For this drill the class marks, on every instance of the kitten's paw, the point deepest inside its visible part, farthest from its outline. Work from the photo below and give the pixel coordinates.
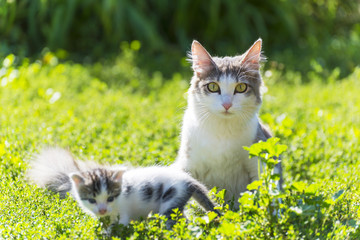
(124, 220)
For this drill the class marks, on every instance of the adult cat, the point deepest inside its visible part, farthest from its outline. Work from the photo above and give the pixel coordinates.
(221, 118)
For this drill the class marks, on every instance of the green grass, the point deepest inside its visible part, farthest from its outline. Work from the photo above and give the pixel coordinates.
(137, 119)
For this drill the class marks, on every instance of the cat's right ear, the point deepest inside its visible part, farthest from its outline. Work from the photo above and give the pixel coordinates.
(77, 179)
(252, 57)
(202, 62)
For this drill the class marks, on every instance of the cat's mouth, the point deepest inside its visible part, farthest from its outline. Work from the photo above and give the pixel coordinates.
(227, 113)
(101, 215)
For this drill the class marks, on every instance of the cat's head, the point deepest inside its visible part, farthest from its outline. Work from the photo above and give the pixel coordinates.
(228, 86)
(97, 190)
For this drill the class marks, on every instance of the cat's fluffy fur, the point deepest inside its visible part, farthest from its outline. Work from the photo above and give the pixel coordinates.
(216, 125)
(159, 190)
(116, 191)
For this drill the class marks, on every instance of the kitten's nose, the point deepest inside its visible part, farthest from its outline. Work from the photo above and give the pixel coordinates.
(227, 105)
(102, 211)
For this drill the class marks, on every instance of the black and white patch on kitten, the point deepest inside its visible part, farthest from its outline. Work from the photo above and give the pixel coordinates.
(114, 191)
(158, 190)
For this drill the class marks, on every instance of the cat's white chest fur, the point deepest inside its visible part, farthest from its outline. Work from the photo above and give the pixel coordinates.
(213, 152)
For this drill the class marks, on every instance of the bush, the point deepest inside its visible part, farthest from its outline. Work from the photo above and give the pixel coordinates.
(294, 32)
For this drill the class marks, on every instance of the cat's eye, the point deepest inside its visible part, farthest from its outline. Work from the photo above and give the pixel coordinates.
(110, 199)
(241, 87)
(91, 200)
(213, 87)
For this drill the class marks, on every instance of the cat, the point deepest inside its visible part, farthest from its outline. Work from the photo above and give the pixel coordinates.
(130, 194)
(221, 118)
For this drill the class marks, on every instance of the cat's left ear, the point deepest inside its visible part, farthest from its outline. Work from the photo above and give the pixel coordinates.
(253, 55)
(118, 174)
(77, 179)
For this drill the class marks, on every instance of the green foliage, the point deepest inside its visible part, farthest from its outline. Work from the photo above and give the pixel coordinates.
(121, 115)
(295, 32)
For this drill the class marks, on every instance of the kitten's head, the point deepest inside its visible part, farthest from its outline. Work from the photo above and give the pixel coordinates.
(228, 86)
(97, 190)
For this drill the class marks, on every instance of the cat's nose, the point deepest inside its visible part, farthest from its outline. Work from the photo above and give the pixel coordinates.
(102, 211)
(227, 106)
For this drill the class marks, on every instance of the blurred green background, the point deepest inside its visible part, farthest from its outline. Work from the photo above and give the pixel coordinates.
(300, 36)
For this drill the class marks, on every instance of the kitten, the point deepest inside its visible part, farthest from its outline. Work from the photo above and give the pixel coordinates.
(95, 187)
(222, 116)
(114, 191)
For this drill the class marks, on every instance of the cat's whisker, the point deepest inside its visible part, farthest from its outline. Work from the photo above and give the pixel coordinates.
(250, 71)
(251, 77)
(203, 118)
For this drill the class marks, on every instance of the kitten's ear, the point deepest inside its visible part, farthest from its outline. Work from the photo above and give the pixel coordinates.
(253, 55)
(118, 173)
(201, 60)
(77, 179)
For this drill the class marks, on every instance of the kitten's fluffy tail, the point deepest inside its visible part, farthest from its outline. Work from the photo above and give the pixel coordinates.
(200, 195)
(50, 169)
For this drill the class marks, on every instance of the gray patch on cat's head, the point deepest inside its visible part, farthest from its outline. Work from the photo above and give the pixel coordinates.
(236, 67)
(228, 67)
(96, 181)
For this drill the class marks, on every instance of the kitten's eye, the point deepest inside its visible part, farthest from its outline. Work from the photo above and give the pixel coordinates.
(241, 87)
(213, 87)
(91, 200)
(110, 199)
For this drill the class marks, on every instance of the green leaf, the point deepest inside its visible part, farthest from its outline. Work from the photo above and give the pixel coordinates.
(298, 186)
(254, 185)
(270, 146)
(211, 216)
(339, 194)
(275, 177)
